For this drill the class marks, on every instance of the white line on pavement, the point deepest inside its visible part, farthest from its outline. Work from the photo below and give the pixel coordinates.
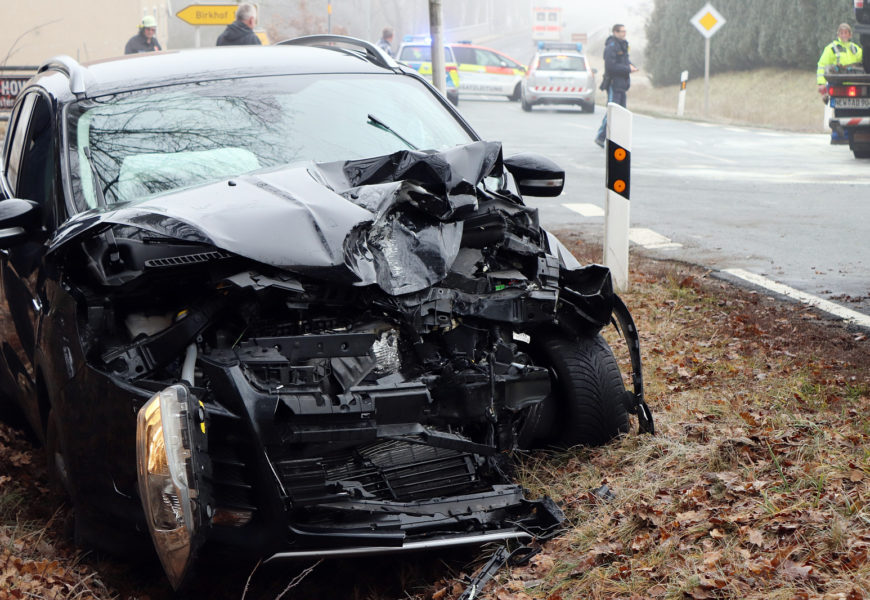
(820, 303)
(650, 239)
(587, 210)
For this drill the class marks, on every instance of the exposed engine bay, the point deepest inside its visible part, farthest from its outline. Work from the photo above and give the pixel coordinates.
(363, 344)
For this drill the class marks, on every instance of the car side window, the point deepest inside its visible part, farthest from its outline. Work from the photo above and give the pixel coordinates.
(488, 59)
(37, 164)
(17, 134)
(464, 55)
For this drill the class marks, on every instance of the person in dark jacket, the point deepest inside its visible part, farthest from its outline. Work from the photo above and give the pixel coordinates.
(144, 41)
(617, 73)
(241, 31)
(386, 41)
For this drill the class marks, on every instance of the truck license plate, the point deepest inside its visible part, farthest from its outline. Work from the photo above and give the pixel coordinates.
(852, 102)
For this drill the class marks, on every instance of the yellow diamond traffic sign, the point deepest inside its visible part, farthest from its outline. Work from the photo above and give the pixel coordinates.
(708, 20)
(208, 14)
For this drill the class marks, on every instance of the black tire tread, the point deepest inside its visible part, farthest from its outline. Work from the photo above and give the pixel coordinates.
(590, 391)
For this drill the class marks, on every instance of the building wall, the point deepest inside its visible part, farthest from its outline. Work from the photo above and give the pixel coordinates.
(35, 30)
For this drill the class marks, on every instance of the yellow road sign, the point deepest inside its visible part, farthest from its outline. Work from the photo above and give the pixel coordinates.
(708, 21)
(208, 14)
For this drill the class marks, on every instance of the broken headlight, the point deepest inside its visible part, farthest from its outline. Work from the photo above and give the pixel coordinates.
(165, 456)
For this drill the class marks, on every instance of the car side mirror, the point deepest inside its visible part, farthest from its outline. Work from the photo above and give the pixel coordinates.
(18, 219)
(536, 175)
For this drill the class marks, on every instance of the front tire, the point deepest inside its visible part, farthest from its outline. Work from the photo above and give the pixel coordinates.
(516, 93)
(861, 150)
(525, 104)
(588, 107)
(588, 392)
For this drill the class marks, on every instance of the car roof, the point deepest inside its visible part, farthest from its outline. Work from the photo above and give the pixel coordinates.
(559, 53)
(464, 45)
(154, 69)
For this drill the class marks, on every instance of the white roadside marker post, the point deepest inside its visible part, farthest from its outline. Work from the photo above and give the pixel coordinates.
(681, 102)
(616, 204)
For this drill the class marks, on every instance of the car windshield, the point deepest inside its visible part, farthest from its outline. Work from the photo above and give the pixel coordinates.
(562, 63)
(148, 142)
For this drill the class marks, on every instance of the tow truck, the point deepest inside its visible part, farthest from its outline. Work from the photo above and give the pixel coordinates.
(849, 90)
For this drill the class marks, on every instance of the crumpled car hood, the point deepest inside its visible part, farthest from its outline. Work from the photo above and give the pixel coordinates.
(394, 221)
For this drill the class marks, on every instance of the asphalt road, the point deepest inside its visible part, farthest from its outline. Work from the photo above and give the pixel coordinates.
(782, 205)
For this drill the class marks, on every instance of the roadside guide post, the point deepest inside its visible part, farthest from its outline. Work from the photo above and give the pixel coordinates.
(438, 73)
(681, 102)
(207, 14)
(708, 21)
(616, 204)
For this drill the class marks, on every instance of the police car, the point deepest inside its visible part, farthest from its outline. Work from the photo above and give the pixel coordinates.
(481, 71)
(416, 52)
(559, 74)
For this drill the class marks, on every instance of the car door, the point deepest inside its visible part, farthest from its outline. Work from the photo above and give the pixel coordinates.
(472, 76)
(29, 172)
(502, 74)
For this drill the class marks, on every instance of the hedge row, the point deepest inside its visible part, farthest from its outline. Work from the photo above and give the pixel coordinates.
(757, 33)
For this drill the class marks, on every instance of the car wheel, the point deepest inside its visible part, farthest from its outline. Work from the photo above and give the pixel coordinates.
(588, 392)
(861, 150)
(527, 106)
(588, 107)
(517, 93)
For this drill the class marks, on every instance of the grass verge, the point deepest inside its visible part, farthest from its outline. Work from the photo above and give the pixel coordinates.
(777, 99)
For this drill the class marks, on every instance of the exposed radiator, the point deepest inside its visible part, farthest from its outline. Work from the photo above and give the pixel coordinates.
(387, 470)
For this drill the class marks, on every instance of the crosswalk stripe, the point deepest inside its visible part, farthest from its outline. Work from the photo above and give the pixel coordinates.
(587, 210)
(650, 239)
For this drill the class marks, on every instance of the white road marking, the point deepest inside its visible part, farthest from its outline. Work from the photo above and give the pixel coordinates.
(650, 239)
(711, 157)
(587, 210)
(820, 303)
(828, 178)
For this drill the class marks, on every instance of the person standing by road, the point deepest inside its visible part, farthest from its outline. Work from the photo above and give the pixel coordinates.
(144, 41)
(842, 52)
(617, 73)
(241, 31)
(386, 41)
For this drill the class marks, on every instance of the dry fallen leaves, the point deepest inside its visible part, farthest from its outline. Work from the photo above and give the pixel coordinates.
(756, 484)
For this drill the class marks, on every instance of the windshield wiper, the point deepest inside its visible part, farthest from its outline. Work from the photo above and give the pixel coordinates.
(376, 122)
(99, 189)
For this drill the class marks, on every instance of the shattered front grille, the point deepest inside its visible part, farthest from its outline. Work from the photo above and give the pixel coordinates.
(388, 470)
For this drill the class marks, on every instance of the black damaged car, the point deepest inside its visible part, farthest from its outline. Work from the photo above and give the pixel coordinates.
(284, 301)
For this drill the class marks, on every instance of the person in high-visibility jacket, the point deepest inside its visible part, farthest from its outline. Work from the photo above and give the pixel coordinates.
(841, 52)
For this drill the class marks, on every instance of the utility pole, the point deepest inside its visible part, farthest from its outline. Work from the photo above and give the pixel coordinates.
(438, 73)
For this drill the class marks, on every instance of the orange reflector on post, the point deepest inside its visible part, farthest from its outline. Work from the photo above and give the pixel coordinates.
(618, 168)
